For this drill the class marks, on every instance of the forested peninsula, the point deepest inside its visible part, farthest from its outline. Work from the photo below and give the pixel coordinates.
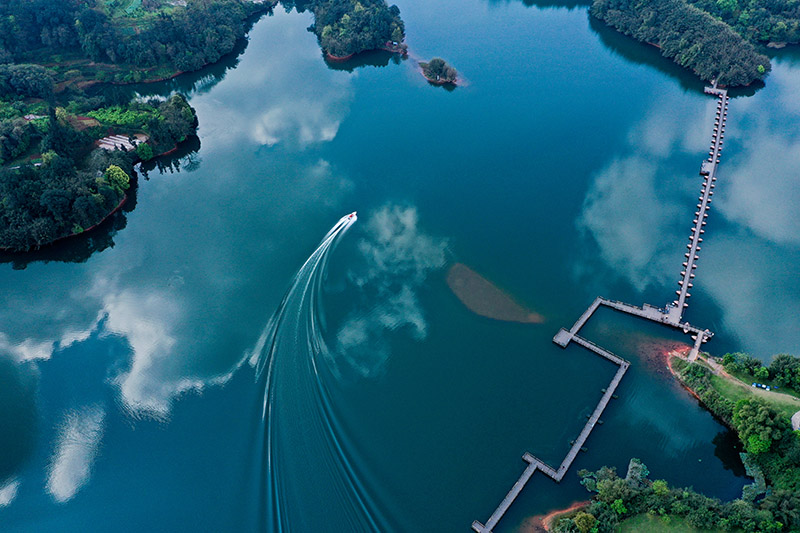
(67, 155)
(691, 37)
(758, 402)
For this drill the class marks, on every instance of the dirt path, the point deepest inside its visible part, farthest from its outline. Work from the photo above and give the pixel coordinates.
(718, 370)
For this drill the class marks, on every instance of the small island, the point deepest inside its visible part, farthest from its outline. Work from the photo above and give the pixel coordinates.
(75, 182)
(438, 72)
(346, 28)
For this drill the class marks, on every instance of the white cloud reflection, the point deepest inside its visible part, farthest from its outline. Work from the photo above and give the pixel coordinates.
(8, 492)
(627, 217)
(76, 448)
(301, 101)
(398, 258)
(634, 211)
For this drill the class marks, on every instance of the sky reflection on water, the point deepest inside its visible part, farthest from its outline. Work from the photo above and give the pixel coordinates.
(110, 356)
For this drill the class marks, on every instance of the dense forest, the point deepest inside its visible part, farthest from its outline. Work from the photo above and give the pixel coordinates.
(346, 27)
(689, 36)
(154, 34)
(53, 182)
(757, 20)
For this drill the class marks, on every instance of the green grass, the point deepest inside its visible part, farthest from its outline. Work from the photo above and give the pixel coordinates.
(735, 392)
(748, 379)
(646, 523)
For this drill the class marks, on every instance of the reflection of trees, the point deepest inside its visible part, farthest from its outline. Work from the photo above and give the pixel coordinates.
(19, 416)
(185, 155)
(199, 81)
(372, 58)
(644, 54)
(569, 4)
(727, 448)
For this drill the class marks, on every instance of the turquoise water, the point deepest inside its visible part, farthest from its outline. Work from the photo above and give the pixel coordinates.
(564, 168)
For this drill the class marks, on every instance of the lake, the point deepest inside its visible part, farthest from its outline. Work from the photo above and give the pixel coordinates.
(146, 386)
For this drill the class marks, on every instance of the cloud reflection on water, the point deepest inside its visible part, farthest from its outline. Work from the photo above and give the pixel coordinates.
(634, 211)
(8, 492)
(398, 257)
(75, 450)
(301, 102)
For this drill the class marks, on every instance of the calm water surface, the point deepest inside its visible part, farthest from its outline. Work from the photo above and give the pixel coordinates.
(566, 167)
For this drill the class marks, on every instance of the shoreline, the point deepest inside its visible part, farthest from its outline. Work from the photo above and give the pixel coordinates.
(454, 83)
(111, 213)
(718, 371)
(340, 59)
(543, 523)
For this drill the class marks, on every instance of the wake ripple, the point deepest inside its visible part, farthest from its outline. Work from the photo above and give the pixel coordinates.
(309, 476)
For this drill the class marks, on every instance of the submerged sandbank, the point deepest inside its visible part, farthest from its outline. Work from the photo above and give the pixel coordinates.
(484, 298)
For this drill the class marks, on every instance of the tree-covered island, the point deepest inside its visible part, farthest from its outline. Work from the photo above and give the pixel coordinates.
(348, 27)
(438, 72)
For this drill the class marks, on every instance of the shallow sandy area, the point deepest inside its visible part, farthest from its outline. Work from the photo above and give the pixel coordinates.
(484, 298)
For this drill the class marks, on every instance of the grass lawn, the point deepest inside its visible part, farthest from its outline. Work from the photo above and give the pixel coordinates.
(645, 523)
(735, 391)
(748, 379)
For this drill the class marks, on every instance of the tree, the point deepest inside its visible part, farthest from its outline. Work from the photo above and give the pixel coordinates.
(144, 151)
(590, 480)
(637, 474)
(349, 27)
(762, 373)
(756, 444)
(660, 487)
(785, 370)
(758, 425)
(689, 36)
(584, 521)
(619, 507)
(117, 178)
(784, 506)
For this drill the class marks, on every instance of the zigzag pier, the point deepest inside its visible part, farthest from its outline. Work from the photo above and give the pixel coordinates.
(671, 315)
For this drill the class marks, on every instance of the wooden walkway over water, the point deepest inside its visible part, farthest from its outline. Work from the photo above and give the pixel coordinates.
(709, 172)
(649, 312)
(534, 463)
(671, 315)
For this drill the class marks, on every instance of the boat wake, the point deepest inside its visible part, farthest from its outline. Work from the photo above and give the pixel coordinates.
(310, 477)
